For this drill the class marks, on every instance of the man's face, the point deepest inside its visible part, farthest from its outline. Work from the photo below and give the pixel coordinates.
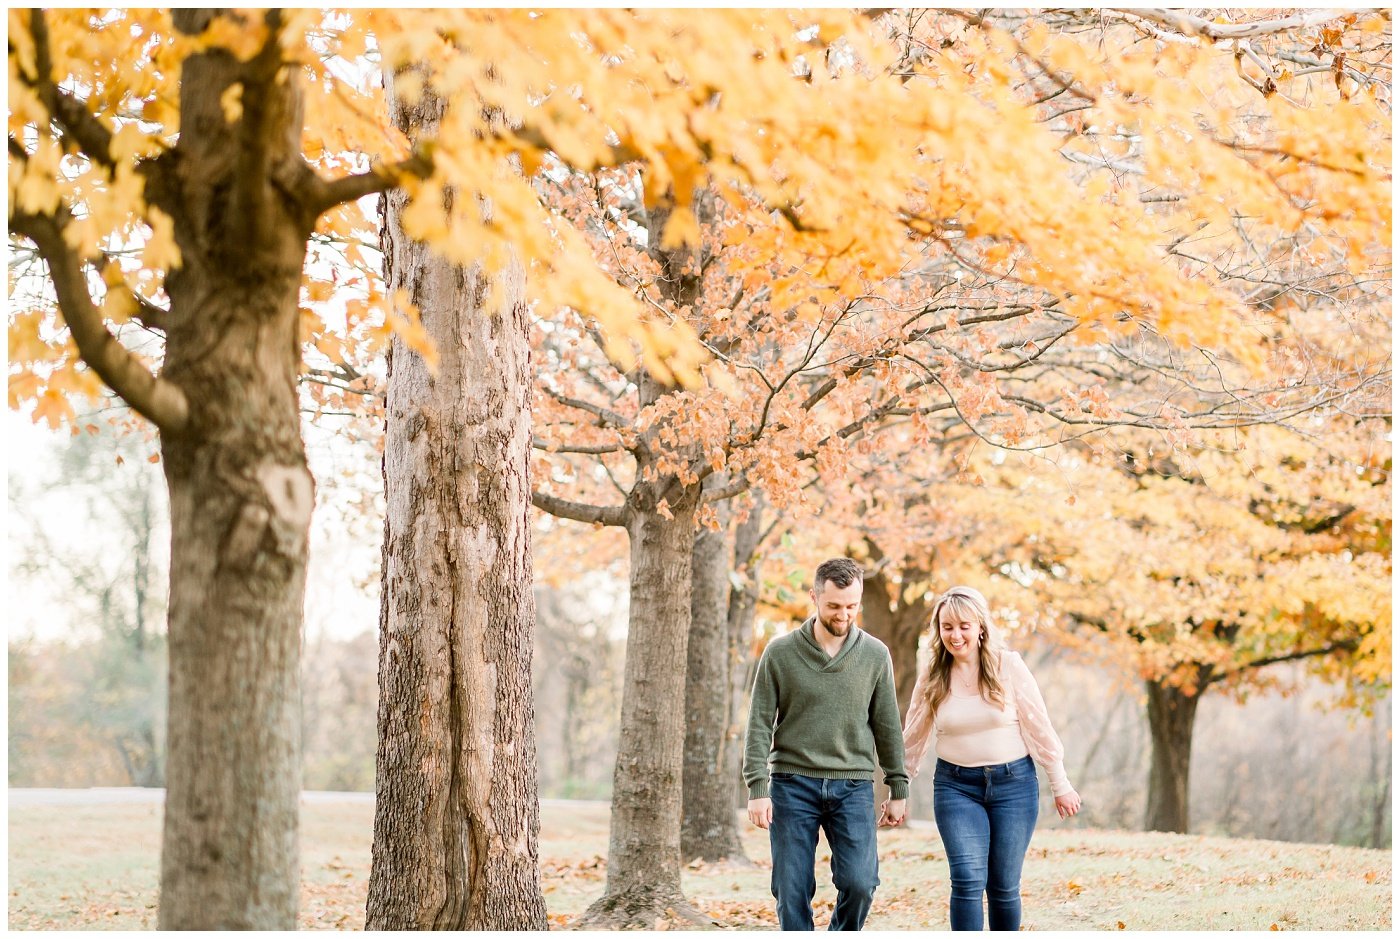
(837, 606)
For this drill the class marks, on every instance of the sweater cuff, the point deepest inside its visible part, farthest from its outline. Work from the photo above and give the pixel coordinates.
(758, 789)
(1059, 781)
(899, 789)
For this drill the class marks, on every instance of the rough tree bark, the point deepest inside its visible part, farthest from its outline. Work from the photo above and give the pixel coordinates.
(240, 501)
(456, 828)
(708, 821)
(894, 619)
(644, 883)
(743, 606)
(1171, 718)
(242, 202)
(898, 627)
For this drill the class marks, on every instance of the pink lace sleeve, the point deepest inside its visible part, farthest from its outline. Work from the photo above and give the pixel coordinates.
(918, 728)
(1041, 740)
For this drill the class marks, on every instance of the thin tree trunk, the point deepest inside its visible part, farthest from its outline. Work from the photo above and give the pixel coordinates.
(708, 822)
(897, 622)
(240, 510)
(644, 883)
(1171, 717)
(456, 826)
(644, 878)
(1379, 829)
(743, 605)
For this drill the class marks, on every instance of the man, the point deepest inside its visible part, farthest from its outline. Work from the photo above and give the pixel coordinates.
(823, 709)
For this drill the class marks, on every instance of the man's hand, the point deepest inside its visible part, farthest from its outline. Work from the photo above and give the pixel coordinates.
(761, 812)
(892, 813)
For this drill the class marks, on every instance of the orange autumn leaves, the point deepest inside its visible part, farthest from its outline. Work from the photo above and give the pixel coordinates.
(810, 116)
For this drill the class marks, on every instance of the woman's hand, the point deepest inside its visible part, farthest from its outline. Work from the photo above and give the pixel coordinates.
(1067, 804)
(891, 813)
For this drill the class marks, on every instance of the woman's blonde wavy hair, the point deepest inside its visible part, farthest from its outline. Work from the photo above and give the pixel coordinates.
(969, 602)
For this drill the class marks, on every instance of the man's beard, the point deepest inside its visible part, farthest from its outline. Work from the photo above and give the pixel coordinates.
(837, 631)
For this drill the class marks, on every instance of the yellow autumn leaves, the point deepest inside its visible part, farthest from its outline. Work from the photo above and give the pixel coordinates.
(864, 162)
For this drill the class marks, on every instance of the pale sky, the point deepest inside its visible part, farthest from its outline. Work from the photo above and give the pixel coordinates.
(338, 602)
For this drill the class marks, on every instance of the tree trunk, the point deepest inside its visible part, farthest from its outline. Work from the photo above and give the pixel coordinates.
(895, 620)
(644, 883)
(708, 824)
(743, 605)
(240, 510)
(1171, 717)
(644, 877)
(456, 827)
(1379, 829)
(899, 629)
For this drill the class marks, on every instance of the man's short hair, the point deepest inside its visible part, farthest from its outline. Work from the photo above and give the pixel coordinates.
(840, 571)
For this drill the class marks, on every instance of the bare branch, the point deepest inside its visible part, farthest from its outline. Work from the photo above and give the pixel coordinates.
(1189, 25)
(1117, 166)
(324, 195)
(1344, 645)
(610, 515)
(539, 443)
(608, 417)
(727, 491)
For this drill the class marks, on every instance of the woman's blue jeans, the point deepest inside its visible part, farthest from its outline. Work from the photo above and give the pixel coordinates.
(985, 816)
(845, 810)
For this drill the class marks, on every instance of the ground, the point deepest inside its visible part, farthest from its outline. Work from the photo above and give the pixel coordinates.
(95, 866)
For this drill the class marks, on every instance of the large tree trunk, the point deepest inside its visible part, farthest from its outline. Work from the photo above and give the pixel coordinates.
(644, 877)
(1171, 717)
(708, 821)
(456, 826)
(240, 510)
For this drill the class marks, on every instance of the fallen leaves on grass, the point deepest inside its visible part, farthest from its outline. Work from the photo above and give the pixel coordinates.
(590, 868)
(742, 914)
(338, 904)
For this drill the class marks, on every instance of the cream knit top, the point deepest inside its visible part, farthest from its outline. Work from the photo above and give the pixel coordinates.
(972, 731)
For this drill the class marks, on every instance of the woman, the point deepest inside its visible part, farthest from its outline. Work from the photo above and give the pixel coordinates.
(981, 702)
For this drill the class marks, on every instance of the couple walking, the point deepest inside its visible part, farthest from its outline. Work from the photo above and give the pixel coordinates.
(824, 709)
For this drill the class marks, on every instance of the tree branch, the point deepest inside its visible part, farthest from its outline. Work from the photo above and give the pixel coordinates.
(90, 134)
(1344, 645)
(611, 515)
(608, 417)
(727, 491)
(540, 443)
(324, 195)
(161, 402)
(1189, 25)
(263, 102)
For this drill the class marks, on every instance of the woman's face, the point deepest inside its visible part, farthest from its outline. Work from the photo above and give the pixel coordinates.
(959, 631)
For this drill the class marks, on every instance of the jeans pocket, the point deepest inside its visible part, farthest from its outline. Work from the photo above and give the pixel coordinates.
(783, 776)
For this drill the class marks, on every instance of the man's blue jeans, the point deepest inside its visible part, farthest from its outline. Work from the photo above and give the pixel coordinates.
(985, 816)
(845, 810)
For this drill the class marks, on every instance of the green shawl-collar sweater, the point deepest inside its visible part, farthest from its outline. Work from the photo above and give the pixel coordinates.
(824, 716)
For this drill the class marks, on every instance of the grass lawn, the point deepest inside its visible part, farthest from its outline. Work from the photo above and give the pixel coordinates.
(96, 867)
